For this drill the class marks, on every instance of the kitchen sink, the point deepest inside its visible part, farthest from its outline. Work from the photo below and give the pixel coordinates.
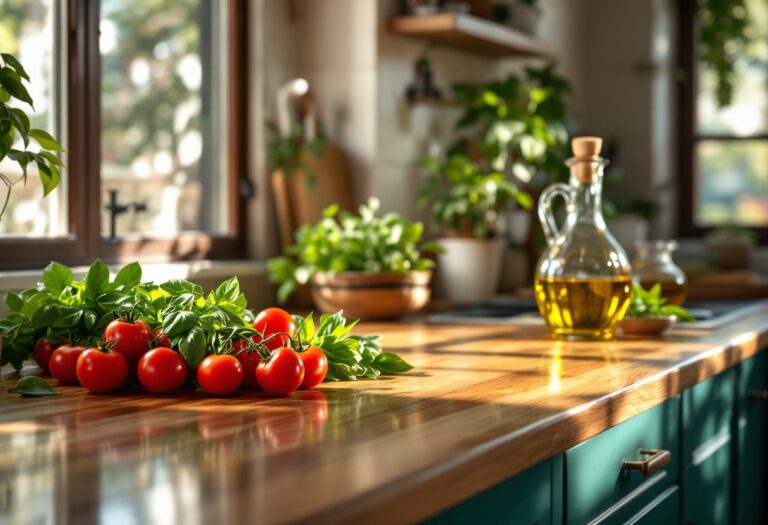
(708, 314)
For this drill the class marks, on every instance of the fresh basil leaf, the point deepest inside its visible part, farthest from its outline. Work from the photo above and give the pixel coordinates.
(57, 316)
(14, 302)
(33, 386)
(96, 280)
(340, 372)
(128, 276)
(177, 322)
(229, 290)
(191, 346)
(57, 278)
(389, 363)
(178, 286)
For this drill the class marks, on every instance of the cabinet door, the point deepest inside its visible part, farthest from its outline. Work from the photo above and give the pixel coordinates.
(708, 410)
(664, 510)
(525, 499)
(752, 482)
(598, 486)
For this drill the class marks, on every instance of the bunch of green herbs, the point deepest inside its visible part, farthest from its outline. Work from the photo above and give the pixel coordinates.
(343, 242)
(650, 303)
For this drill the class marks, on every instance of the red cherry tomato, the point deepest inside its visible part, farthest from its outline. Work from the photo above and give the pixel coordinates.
(282, 374)
(220, 375)
(42, 353)
(63, 363)
(315, 366)
(275, 321)
(249, 360)
(160, 340)
(130, 339)
(162, 370)
(101, 372)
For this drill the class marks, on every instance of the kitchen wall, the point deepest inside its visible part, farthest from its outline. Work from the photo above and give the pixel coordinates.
(627, 88)
(618, 56)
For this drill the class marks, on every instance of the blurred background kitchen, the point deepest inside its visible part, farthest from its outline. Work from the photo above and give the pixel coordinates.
(201, 108)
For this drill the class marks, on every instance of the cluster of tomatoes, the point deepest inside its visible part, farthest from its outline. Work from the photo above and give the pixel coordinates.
(133, 351)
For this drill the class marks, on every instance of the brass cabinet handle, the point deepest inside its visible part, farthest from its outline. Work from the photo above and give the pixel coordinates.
(654, 461)
(760, 395)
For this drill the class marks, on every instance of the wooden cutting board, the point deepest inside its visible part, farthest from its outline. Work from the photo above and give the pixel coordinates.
(301, 198)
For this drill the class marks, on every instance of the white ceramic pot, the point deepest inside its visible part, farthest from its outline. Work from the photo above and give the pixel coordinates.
(469, 269)
(628, 230)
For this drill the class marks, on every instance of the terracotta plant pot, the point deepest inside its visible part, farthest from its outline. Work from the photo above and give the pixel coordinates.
(371, 295)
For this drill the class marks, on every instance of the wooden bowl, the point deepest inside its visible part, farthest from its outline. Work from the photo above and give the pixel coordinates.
(371, 295)
(647, 326)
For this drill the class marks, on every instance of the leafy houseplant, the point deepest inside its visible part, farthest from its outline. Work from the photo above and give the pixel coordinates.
(723, 35)
(465, 200)
(14, 125)
(518, 125)
(352, 259)
(515, 129)
(285, 153)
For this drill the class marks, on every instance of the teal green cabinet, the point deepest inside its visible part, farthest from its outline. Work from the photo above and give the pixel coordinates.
(715, 442)
(708, 415)
(525, 499)
(598, 488)
(663, 510)
(752, 443)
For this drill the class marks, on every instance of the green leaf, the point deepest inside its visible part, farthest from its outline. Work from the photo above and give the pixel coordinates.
(229, 290)
(128, 276)
(49, 176)
(178, 322)
(96, 280)
(21, 121)
(14, 302)
(389, 363)
(33, 386)
(15, 64)
(45, 140)
(57, 278)
(177, 286)
(11, 83)
(191, 346)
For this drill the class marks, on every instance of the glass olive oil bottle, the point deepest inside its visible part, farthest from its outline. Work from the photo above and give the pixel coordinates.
(583, 279)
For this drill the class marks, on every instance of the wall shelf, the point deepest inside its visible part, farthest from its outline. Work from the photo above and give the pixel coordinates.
(470, 33)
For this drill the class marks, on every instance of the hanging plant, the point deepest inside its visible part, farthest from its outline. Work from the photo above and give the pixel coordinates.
(723, 37)
(14, 124)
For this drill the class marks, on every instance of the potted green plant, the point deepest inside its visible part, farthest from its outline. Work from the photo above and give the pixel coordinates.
(515, 130)
(16, 135)
(465, 202)
(369, 266)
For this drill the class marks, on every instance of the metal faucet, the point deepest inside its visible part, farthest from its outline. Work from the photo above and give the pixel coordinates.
(116, 209)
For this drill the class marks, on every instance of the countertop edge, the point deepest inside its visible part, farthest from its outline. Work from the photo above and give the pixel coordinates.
(470, 473)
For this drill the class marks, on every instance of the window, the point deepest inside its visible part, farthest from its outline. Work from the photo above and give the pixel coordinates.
(724, 150)
(147, 97)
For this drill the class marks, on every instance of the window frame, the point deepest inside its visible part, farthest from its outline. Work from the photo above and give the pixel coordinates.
(688, 137)
(83, 241)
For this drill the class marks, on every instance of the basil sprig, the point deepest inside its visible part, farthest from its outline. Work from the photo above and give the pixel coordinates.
(350, 357)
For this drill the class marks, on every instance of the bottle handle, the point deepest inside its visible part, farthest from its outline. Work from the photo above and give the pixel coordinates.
(546, 217)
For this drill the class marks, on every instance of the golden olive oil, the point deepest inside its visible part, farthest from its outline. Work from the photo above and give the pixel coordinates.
(583, 308)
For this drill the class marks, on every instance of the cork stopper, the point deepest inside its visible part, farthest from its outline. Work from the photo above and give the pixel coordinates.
(586, 158)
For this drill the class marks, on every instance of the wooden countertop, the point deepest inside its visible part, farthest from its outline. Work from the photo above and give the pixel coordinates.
(484, 403)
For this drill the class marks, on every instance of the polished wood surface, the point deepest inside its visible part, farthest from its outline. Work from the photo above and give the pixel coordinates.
(482, 404)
